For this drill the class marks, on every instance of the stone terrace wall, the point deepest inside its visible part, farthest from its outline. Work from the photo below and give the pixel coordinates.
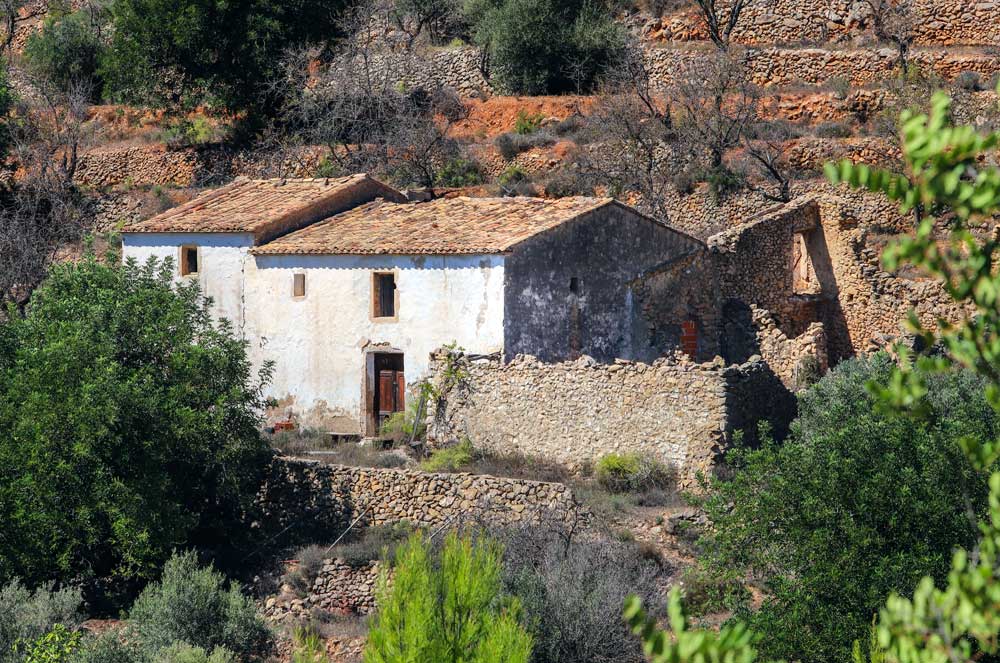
(575, 412)
(338, 588)
(321, 498)
(938, 22)
(139, 166)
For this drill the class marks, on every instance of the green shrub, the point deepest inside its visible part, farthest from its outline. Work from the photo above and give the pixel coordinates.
(181, 652)
(449, 459)
(545, 46)
(856, 503)
(404, 426)
(969, 81)
(513, 175)
(309, 646)
(378, 542)
(193, 605)
(191, 132)
(56, 646)
(115, 357)
(310, 563)
(67, 52)
(111, 646)
(526, 123)
(209, 52)
(630, 472)
(572, 589)
(446, 607)
(460, 172)
(27, 616)
(833, 130)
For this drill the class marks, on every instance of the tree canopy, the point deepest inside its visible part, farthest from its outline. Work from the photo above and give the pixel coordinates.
(130, 424)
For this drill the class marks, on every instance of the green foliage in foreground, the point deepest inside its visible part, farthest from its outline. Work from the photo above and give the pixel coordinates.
(130, 426)
(446, 607)
(956, 620)
(858, 502)
(26, 617)
(545, 46)
(191, 604)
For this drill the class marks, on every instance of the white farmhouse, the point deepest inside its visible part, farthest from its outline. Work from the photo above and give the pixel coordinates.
(348, 287)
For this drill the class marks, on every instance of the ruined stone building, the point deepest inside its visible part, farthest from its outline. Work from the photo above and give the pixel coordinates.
(348, 287)
(586, 326)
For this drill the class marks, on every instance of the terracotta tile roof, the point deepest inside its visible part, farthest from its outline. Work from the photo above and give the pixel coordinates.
(266, 208)
(441, 226)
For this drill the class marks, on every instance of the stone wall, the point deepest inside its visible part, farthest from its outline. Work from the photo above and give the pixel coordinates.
(937, 22)
(339, 588)
(139, 166)
(318, 499)
(675, 410)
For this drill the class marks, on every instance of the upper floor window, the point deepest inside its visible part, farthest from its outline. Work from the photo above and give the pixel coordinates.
(384, 295)
(189, 260)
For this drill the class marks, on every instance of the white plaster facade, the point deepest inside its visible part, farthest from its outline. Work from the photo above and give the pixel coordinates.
(318, 342)
(222, 258)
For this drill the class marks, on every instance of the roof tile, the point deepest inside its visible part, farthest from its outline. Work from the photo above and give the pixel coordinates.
(441, 226)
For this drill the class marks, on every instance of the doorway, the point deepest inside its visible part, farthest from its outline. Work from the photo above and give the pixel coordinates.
(386, 389)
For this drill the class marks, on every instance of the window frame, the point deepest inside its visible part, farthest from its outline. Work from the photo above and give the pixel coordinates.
(375, 305)
(182, 260)
(295, 279)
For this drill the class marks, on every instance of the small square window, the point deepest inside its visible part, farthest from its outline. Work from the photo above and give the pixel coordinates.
(299, 285)
(189, 260)
(383, 295)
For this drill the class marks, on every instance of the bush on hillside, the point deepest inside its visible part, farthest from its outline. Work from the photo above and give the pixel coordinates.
(67, 52)
(163, 410)
(180, 53)
(572, 590)
(181, 652)
(545, 46)
(193, 604)
(26, 616)
(112, 646)
(856, 504)
(449, 459)
(631, 472)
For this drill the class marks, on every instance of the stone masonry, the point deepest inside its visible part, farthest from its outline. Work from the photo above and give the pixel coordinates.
(675, 410)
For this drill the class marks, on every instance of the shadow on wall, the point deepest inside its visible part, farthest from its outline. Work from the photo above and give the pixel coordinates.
(755, 396)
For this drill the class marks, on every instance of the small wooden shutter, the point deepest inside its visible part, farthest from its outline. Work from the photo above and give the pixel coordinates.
(386, 392)
(299, 285)
(400, 392)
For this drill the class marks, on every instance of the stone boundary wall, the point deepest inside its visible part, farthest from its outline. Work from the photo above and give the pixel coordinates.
(459, 68)
(310, 499)
(937, 22)
(338, 588)
(574, 413)
(140, 166)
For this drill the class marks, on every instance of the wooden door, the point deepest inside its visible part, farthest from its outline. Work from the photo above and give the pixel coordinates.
(391, 392)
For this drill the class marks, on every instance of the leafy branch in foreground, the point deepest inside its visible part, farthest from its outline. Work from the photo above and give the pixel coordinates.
(945, 179)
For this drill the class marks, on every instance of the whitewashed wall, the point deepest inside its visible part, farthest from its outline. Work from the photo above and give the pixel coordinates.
(221, 261)
(318, 342)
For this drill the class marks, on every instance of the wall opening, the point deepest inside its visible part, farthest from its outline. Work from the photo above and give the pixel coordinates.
(189, 260)
(804, 278)
(385, 389)
(689, 338)
(384, 295)
(299, 285)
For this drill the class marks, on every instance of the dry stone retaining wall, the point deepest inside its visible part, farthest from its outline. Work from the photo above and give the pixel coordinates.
(324, 498)
(675, 410)
(937, 22)
(339, 588)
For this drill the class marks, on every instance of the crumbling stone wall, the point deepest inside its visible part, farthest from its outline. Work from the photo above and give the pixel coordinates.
(339, 587)
(319, 498)
(675, 410)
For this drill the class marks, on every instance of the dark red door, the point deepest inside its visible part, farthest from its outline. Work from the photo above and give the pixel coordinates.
(391, 393)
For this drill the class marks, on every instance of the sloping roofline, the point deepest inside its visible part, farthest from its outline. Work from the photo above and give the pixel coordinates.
(316, 199)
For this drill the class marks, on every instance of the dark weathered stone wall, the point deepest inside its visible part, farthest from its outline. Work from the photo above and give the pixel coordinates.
(569, 291)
